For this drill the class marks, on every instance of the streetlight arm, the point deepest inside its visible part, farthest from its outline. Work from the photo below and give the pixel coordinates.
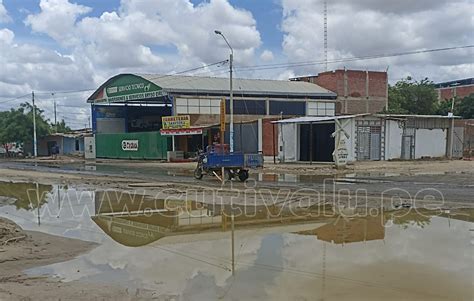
(225, 39)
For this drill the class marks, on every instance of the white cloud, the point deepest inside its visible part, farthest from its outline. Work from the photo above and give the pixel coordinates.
(126, 39)
(267, 56)
(4, 17)
(57, 19)
(368, 28)
(148, 36)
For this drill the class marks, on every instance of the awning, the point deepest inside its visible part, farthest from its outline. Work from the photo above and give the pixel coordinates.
(310, 119)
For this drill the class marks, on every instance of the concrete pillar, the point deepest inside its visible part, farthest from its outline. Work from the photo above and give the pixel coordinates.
(260, 135)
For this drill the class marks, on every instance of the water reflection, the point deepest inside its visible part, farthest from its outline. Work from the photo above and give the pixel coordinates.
(180, 247)
(345, 230)
(26, 196)
(137, 220)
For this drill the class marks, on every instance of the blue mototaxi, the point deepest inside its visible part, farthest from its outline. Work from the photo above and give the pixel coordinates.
(235, 164)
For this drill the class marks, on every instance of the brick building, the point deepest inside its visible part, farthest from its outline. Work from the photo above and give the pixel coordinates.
(458, 88)
(358, 91)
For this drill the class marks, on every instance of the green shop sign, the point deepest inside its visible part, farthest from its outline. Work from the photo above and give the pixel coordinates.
(130, 88)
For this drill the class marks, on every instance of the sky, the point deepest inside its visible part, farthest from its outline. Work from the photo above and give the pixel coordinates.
(54, 46)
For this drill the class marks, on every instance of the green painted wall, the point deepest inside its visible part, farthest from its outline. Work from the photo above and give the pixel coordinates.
(151, 145)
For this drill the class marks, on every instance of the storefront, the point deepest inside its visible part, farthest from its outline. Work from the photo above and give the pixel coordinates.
(133, 108)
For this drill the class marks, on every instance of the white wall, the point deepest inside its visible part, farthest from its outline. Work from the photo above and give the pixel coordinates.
(393, 140)
(430, 143)
(287, 142)
(350, 128)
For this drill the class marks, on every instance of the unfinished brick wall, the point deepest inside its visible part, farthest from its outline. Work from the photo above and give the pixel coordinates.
(270, 141)
(351, 89)
(450, 92)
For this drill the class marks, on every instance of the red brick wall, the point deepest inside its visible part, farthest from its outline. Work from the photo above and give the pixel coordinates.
(461, 92)
(334, 81)
(268, 139)
(356, 89)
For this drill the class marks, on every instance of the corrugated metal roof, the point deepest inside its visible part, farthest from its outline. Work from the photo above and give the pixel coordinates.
(309, 119)
(414, 116)
(197, 84)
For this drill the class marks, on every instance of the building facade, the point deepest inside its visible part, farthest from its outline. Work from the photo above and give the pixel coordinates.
(128, 110)
(455, 89)
(357, 91)
(371, 137)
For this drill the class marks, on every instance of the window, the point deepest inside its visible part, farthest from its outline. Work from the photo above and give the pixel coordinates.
(247, 107)
(288, 108)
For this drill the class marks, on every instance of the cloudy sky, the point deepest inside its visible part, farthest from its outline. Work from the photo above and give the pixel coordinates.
(70, 45)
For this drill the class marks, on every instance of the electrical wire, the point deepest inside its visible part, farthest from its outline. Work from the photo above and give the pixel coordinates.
(350, 59)
(16, 98)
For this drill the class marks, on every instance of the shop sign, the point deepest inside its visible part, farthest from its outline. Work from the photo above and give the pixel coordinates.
(341, 152)
(130, 145)
(128, 88)
(181, 132)
(176, 122)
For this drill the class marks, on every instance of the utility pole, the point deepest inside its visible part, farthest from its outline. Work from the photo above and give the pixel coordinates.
(35, 144)
(55, 120)
(326, 35)
(451, 134)
(231, 92)
(231, 125)
(89, 121)
(232, 238)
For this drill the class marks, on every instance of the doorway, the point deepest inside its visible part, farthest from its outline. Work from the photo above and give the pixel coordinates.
(316, 139)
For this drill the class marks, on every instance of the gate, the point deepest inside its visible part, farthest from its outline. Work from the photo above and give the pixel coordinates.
(458, 142)
(369, 140)
(246, 137)
(408, 144)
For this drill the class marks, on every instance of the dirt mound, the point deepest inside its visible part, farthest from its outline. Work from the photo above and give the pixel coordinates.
(10, 232)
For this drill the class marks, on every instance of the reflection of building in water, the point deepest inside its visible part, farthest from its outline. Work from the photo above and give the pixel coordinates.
(350, 230)
(129, 233)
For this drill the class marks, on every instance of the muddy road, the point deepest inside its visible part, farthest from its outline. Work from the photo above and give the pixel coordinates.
(125, 232)
(444, 182)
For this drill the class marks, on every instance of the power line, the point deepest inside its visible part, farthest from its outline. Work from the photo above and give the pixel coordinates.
(16, 98)
(350, 59)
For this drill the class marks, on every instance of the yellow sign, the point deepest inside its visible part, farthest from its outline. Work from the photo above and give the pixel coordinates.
(176, 122)
(223, 115)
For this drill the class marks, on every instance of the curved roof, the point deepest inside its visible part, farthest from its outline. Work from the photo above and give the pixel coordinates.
(196, 85)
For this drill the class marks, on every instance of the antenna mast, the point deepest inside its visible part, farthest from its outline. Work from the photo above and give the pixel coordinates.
(326, 35)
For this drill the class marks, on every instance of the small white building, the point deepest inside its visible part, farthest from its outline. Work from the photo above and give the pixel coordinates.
(366, 136)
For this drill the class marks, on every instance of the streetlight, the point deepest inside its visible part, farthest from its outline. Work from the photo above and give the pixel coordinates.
(231, 126)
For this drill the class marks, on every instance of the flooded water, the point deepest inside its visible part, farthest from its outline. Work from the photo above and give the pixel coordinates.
(182, 250)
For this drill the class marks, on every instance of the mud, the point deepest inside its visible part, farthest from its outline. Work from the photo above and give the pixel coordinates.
(125, 237)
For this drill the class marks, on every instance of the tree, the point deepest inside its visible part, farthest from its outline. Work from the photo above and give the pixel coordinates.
(463, 107)
(61, 127)
(16, 125)
(409, 96)
(466, 107)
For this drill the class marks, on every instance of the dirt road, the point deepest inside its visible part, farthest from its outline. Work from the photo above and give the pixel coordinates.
(22, 250)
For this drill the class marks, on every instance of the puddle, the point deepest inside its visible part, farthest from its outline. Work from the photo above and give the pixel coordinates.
(176, 248)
